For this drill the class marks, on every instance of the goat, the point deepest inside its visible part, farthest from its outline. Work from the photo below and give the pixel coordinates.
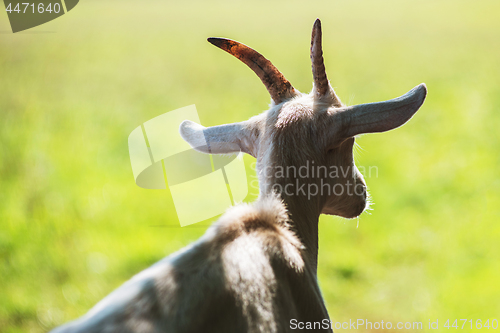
(255, 270)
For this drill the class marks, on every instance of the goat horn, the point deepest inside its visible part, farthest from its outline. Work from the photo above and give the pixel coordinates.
(321, 84)
(279, 88)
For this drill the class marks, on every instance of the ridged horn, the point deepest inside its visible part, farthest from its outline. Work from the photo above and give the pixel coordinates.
(276, 84)
(321, 84)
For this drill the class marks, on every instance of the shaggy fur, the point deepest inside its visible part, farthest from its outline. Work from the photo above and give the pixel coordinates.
(244, 268)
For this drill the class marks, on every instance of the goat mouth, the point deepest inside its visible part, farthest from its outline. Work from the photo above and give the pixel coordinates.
(356, 211)
(362, 205)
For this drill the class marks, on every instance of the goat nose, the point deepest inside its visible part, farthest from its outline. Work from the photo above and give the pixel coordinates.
(360, 190)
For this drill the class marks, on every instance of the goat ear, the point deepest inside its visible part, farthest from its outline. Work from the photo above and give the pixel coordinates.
(223, 139)
(381, 116)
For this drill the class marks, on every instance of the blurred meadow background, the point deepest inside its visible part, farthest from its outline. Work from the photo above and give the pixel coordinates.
(74, 226)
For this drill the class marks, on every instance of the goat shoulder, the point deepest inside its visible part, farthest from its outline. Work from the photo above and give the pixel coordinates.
(239, 277)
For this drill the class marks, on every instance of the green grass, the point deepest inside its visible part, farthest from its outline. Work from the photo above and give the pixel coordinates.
(73, 225)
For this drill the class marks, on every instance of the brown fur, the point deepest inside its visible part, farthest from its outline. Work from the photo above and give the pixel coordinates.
(244, 267)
